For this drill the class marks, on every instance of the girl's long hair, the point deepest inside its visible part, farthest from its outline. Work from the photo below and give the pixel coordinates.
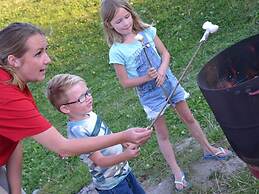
(13, 42)
(108, 11)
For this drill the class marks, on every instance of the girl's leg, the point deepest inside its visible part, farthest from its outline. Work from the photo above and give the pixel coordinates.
(186, 116)
(167, 149)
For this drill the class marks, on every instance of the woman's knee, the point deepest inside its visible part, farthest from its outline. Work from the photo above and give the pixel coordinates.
(3, 180)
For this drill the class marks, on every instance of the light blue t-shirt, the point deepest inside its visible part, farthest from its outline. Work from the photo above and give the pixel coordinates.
(103, 178)
(137, 58)
(127, 53)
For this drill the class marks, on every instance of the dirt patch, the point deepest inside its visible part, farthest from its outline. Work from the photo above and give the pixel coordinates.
(202, 172)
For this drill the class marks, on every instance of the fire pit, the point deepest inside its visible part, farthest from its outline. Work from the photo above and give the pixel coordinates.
(227, 82)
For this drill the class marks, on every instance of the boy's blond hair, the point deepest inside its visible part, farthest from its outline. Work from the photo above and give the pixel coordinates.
(108, 11)
(58, 86)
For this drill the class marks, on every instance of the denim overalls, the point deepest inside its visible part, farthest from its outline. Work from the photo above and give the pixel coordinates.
(151, 97)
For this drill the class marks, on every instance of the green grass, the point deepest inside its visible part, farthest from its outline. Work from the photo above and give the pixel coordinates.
(77, 46)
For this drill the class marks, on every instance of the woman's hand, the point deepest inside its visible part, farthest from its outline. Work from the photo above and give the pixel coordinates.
(137, 135)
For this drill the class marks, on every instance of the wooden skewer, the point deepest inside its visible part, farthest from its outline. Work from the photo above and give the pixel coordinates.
(173, 92)
(178, 83)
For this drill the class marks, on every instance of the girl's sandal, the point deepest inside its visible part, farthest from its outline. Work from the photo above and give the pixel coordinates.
(222, 154)
(186, 185)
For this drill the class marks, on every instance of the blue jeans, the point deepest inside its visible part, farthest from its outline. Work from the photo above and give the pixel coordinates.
(129, 185)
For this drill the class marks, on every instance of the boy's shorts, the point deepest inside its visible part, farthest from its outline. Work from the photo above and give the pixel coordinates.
(154, 100)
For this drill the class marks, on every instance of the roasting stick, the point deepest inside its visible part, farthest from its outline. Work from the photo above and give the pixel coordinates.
(178, 83)
(209, 28)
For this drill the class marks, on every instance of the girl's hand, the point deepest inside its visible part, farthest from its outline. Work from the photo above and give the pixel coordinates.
(152, 73)
(160, 77)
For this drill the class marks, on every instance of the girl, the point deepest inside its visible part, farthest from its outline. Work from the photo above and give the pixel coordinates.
(24, 59)
(145, 66)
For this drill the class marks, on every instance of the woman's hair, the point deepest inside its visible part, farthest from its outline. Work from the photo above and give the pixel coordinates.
(108, 11)
(13, 42)
(58, 86)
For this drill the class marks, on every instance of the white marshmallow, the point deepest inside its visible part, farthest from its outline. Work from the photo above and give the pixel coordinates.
(208, 26)
(139, 38)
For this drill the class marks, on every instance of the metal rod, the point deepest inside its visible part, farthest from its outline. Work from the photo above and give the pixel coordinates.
(178, 83)
(173, 92)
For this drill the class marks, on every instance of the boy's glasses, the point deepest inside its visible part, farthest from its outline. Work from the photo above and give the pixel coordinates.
(82, 98)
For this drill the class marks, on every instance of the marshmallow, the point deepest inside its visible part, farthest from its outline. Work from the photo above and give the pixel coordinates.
(208, 26)
(139, 38)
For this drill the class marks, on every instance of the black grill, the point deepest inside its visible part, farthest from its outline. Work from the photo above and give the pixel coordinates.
(226, 82)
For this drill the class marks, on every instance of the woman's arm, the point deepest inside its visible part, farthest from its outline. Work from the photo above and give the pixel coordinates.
(165, 56)
(107, 161)
(54, 141)
(127, 82)
(14, 170)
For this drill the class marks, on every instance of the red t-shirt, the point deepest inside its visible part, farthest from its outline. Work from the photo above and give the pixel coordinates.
(19, 116)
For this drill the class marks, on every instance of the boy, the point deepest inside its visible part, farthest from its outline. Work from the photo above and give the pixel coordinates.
(109, 167)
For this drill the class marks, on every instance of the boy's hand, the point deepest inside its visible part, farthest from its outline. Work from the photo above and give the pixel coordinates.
(137, 135)
(131, 152)
(130, 145)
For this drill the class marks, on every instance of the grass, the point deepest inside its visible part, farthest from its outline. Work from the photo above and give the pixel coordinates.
(77, 46)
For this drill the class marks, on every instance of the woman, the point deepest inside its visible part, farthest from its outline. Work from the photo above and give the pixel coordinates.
(24, 59)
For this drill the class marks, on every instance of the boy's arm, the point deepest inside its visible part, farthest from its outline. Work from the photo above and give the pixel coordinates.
(127, 82)
(106, 161)
(165, 56)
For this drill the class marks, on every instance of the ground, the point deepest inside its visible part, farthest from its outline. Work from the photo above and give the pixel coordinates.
(201, 173)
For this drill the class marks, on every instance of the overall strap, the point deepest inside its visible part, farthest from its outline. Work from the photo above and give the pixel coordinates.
(98, 127)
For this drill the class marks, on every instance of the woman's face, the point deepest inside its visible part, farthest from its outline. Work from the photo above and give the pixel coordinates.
(32, 66)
